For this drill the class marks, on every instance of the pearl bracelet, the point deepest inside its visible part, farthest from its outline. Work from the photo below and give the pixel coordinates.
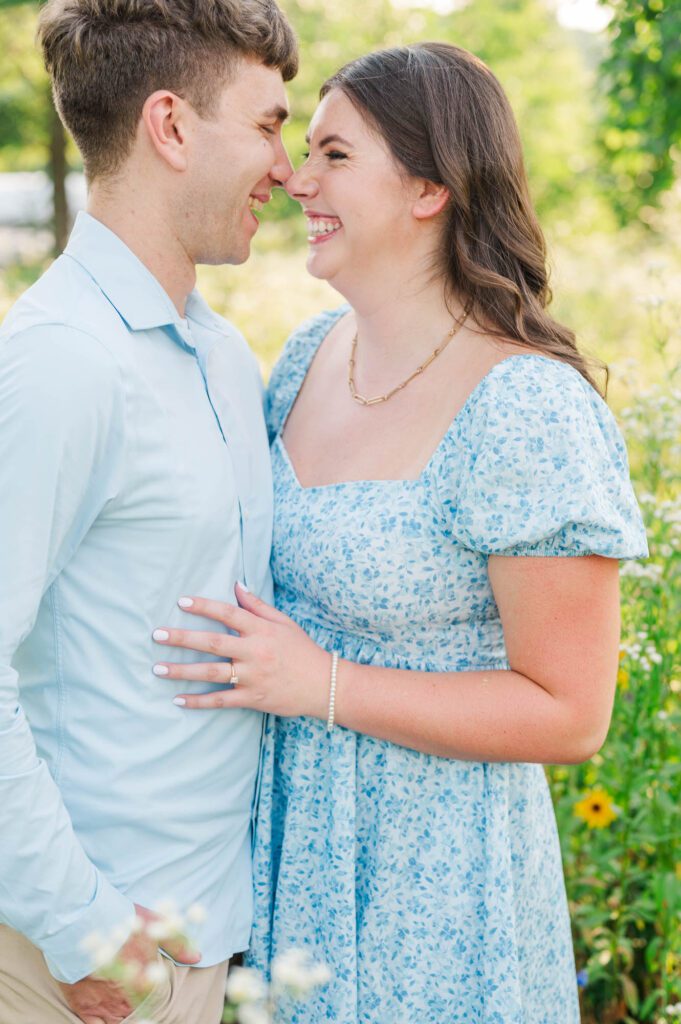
(331, 720)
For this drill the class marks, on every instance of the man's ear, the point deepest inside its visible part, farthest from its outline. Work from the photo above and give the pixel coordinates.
(432, 200)
(164, 116)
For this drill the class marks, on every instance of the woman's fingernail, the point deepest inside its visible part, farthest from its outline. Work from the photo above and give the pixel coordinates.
(161, 634)
(180, 701)
(185, 602)
(243, 586)
(160, 670)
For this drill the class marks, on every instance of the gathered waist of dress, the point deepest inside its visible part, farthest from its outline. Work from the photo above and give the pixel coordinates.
(456, 647)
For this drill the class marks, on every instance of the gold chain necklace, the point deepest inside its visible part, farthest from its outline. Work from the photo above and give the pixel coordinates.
(361, 400)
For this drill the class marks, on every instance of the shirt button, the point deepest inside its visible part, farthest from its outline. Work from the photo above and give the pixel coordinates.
(245, 514)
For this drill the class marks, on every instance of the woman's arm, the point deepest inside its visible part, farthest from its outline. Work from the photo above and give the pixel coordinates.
(561, 627)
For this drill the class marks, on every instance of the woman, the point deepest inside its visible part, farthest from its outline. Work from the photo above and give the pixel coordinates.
(440, 455)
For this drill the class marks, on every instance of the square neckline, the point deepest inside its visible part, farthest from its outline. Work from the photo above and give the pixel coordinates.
(404, 481)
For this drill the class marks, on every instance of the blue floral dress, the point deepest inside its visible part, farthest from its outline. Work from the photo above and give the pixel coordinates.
(433, 888)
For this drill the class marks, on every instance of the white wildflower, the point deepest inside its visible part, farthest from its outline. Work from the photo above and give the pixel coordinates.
(251, 1013)
(245, 985)
(92, 942)
(196, 914)
(165, 926)
(651, 301)
(120, 934)
(165, 908)
(297, 971)
(154, 974)
(105, 953)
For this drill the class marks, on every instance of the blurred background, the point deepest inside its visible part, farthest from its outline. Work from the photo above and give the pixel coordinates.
(596, 89)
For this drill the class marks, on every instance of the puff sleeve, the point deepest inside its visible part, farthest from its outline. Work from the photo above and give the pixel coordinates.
(542, 469)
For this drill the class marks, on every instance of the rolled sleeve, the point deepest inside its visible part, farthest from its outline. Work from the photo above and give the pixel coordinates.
(62, 443)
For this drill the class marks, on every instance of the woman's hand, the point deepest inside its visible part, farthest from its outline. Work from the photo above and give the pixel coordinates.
(276, 665)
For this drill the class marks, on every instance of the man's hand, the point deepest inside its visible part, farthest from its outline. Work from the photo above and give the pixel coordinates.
(100, 1000)
(97, 1001)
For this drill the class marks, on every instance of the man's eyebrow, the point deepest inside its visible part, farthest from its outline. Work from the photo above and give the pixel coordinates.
(330, 138)
(277, 113)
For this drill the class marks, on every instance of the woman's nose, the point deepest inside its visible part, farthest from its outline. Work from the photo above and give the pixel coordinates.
(301, 184)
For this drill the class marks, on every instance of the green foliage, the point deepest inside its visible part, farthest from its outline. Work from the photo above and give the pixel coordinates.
(642, 78)
(25, 101)
(540, 65)
(624, 880)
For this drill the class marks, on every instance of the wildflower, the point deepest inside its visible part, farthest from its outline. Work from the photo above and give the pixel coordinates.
(582, 978)
(296, 971)
(623, 679)
(245, 985)
(596, 808)
(196, 914)
(250, 1013)
(154, 974)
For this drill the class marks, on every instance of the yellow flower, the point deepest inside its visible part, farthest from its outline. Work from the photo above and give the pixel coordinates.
(623, 679)
(596, 809)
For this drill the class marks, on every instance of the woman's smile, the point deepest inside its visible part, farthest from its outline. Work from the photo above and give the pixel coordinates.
(321, 227)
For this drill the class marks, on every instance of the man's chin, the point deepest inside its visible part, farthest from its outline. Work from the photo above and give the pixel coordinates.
(232, 258)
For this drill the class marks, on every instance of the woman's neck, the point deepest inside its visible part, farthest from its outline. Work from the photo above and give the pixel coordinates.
(399, 327)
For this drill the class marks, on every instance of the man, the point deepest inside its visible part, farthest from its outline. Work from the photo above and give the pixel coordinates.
(134, 468)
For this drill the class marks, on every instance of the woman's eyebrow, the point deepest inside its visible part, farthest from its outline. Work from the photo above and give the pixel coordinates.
(330, 138)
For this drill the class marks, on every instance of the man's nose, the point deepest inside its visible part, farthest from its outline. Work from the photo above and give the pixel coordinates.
(282, 168)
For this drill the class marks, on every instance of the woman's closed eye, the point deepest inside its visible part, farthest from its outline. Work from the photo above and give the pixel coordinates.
(333, 154)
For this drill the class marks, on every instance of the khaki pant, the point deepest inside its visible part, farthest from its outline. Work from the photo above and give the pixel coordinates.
(30, 995)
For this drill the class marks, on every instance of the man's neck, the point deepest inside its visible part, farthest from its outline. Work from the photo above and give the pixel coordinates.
(149, 236)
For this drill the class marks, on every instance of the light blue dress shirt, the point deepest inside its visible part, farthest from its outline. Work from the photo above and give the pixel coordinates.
(134, 468)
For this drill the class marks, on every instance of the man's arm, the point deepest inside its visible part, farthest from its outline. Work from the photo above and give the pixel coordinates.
(61, 450)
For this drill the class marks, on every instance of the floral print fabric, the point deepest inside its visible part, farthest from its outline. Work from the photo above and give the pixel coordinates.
(433, 888)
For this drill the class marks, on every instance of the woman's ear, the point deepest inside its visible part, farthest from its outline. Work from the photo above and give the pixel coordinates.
(432, 200)
(164, 119)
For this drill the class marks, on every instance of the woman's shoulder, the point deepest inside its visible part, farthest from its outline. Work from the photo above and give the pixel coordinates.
(528, 390)
(294, 362)
(538, 466)
(303, 342)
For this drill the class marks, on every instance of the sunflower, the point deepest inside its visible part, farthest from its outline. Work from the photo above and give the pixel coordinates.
(596, 808)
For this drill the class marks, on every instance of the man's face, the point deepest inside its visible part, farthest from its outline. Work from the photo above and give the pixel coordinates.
(237, 158)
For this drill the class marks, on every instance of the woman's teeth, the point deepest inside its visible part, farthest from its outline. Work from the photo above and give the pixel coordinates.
(255, 204)
(318, 227)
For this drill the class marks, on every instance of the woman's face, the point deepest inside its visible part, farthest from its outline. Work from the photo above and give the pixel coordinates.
(357, 204)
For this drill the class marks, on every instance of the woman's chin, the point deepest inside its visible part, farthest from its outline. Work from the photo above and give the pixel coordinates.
(318, 267)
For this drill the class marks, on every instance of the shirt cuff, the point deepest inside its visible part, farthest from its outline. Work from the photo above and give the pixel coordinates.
(71, 953)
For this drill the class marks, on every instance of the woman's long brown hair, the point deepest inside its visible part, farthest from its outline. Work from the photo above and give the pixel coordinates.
(445, 118)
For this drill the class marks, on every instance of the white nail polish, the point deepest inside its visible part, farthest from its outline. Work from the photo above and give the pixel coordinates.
(161, 634)
(185, 602)
(243, 586)
(160, 670)
(180, 701)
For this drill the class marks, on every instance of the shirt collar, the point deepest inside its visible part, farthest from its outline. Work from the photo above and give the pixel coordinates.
(129, 286)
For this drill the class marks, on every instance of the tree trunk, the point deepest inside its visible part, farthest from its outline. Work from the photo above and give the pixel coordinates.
(61, 220)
